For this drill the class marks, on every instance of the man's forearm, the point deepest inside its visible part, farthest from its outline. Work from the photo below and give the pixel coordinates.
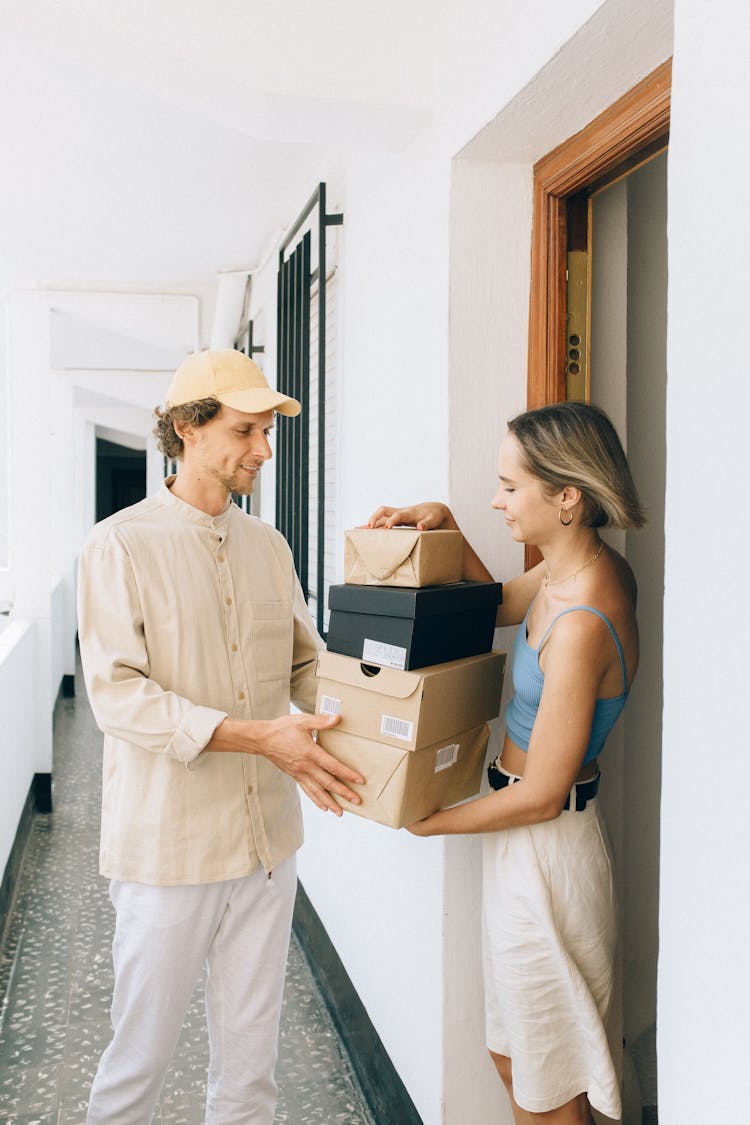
(246, 736)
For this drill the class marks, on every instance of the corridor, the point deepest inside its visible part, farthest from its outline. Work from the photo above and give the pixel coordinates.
(56, 978)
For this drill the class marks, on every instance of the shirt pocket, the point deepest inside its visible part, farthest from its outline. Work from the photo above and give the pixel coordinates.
(273, 633)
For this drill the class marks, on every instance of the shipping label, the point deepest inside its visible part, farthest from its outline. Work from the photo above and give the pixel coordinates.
(329, 705)
(446, 756)
(389, 656)
(396, 728)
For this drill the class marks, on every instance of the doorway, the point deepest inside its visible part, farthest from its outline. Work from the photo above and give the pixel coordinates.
(120, 477)
(627, 378)
(598, 332)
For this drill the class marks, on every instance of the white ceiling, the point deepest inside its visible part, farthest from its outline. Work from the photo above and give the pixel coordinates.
(156, 144)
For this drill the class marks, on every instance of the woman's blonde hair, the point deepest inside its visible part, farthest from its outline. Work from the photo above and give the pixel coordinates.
(574, 443)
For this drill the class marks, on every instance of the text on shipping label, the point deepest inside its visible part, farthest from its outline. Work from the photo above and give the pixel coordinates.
(396, 728)
(378, 652)
(329, 705)
(446, 756)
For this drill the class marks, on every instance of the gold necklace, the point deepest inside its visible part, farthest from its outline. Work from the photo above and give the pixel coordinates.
(559, 581)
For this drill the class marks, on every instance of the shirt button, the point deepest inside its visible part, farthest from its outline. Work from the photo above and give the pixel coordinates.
(220, 557)
(234, 648)
(241, 695)
(249, 789)
(229, 601)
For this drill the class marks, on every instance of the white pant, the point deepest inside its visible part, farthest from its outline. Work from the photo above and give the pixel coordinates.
(163, 937)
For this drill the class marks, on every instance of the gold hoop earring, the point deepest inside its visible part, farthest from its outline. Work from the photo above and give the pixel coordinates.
(565, 523)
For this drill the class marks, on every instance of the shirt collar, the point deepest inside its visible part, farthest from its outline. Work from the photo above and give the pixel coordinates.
(188, 511)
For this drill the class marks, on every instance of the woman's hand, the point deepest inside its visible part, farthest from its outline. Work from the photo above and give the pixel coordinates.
(432, 516)
(429, 516)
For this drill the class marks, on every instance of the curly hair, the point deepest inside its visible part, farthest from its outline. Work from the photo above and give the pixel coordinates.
(190, 413)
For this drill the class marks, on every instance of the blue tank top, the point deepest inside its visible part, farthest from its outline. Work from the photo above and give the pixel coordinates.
(528, 681)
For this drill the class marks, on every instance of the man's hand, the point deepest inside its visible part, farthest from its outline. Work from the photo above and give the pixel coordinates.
(290, 746)
(429, 516)
(288, 743)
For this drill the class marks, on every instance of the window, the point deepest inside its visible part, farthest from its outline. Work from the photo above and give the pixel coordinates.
(306, 447)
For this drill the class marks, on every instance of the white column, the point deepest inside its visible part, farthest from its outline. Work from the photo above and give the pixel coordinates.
(30, 501)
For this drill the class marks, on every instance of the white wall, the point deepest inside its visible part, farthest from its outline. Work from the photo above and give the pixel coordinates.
(382, 902)
(59, 639)
(4, 463)
(490, 242)
(381, 898)
(68, 354)
(394, 315)
(31, 508)
(704, 984)
(17, 708)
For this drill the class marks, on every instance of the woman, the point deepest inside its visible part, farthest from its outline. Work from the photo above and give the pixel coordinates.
(548, 909)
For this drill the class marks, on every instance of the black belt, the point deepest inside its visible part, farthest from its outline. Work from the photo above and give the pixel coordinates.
(585, 790)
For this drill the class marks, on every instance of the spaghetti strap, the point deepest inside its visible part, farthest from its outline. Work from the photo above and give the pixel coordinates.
(607, 622)
(525, 622)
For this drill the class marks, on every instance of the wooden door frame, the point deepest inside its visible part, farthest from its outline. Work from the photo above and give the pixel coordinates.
(615, 142)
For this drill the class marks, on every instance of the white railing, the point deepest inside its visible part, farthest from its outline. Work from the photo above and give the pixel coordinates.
(33, 659)
(17, 726)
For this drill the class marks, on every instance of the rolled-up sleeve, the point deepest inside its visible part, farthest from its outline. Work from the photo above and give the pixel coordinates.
(127, 703)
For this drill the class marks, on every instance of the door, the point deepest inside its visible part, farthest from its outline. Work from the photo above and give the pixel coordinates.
(627, 378)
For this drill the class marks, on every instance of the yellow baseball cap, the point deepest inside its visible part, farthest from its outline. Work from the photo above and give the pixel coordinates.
(230, 377)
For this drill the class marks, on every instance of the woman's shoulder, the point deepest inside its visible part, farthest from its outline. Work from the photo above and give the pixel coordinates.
(621, 582)
(611, 594)
(610, 590)
(604, 598)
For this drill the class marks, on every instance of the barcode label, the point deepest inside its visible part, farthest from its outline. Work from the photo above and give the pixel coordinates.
(329, 705)
(396, 728)
(446, 756)
(378, 652)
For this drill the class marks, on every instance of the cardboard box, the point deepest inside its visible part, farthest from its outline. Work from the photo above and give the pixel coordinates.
(413, 628)
(402, 556)
(409, 710)
(406, 785)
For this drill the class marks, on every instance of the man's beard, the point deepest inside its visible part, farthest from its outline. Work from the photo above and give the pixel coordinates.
(239, 486)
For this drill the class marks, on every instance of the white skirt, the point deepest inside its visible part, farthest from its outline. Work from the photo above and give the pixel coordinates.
(549, 933)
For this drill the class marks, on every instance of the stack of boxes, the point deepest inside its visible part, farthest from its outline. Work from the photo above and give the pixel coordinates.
(409, 669)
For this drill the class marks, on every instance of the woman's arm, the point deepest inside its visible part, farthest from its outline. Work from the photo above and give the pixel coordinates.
(518, 593)
(576, 658)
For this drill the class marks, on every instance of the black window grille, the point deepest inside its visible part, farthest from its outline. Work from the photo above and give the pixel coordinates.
(244, 342)
(300, 513)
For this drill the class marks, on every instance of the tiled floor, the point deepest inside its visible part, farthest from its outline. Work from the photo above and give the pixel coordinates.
(56, 979)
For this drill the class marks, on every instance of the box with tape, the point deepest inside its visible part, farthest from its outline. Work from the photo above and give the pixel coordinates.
(413, 628)
(406, 785)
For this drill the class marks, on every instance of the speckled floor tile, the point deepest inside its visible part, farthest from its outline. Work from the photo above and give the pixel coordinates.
(56, 979)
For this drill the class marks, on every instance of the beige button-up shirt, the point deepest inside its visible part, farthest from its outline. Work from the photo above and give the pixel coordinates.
(184, 619)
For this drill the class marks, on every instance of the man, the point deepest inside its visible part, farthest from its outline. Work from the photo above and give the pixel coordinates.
(194, 638)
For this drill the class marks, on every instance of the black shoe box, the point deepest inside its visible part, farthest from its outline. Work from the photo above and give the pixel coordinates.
(404, 627)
